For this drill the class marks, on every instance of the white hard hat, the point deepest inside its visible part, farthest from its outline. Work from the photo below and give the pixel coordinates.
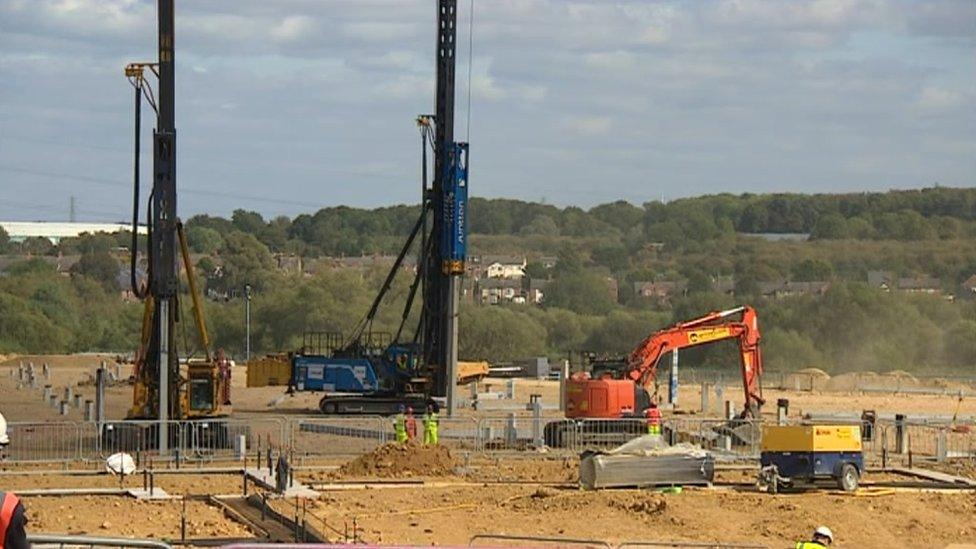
(4, 439)
(824, 532)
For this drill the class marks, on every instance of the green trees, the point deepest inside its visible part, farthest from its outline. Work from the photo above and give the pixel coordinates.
(246, 261)
(42, 311)
(4, 241)
(498, 333)
(204, 240)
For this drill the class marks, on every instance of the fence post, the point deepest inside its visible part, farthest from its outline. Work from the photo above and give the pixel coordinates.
(511, 432)
(901, 441)
(941, 452)
(782, 410)
(705, 388)
(536, 407)
(729, 415)
(100, 395)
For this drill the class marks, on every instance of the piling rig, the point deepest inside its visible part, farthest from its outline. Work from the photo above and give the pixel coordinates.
(163, 389)
(367, 374)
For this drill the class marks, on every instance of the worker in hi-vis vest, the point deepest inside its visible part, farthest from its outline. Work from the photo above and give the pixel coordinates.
(653, 415)
(822, 538)
(411, 424)
(400, 425)
(12, 522)
(430, 425)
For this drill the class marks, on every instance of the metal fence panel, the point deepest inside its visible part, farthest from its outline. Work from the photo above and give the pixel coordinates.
(338, 436)
(43, 442)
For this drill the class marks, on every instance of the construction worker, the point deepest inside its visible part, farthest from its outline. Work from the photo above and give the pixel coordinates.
(12, 522)
(400, 425)
(822, 538)
(430, 425)
(4, 439)
(653, 415)
(411, 424)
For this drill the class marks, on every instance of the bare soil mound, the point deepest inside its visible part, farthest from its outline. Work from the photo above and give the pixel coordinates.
(402, 460)
(901, 374)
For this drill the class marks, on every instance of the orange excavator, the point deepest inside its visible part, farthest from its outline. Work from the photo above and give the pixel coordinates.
(621, 389)
(625, 391)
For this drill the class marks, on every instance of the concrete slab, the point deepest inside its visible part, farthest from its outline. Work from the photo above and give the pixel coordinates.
(155, 493)
(265, 478)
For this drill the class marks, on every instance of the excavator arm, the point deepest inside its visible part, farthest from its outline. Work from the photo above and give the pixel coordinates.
(642, 361)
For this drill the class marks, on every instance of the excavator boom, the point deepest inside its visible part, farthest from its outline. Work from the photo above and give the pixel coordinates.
(608, 397)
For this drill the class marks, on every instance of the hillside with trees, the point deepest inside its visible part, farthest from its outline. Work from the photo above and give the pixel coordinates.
(869, 281)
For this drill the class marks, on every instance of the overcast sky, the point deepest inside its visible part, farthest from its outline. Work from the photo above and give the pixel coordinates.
(287, 106)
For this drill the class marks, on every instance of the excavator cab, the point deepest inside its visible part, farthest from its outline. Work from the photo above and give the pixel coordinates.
(203, 396)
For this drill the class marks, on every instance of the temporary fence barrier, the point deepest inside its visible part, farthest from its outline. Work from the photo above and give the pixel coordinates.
(337, 436)
(43, 442)
(317, 436)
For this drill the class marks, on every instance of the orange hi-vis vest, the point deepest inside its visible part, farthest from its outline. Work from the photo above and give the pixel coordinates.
(7, 508)
(653, 416)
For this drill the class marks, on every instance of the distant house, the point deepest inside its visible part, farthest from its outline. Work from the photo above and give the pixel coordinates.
(967, 290)
(920, 285)
(660, 291)
(501, 266)
(781, 289)
(884, 280)
(536, 290)
(492, 291)
(291, 263)
(887, 281)
(123, 281)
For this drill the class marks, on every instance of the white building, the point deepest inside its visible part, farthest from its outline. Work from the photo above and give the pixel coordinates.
(504, 267)
(56, 230)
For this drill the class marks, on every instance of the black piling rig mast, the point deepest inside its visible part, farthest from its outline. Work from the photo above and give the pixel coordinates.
(159, 372)
(441, 267)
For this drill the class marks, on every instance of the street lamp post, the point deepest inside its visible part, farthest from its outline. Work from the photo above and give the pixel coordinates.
(247, 322)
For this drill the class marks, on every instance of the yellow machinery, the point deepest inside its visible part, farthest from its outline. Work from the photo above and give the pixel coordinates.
(804, 454)
(203, 387)
(469, 372)
(269, 370)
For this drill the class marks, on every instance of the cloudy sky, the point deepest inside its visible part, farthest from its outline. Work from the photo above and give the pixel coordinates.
(286, 106)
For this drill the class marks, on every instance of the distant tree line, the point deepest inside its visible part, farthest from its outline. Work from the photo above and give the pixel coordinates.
(697, 241)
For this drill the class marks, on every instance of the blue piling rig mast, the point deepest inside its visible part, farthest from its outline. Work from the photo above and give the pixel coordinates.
(364, 375)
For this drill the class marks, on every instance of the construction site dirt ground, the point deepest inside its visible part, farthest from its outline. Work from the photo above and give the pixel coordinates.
(527, 496)
(484, 494)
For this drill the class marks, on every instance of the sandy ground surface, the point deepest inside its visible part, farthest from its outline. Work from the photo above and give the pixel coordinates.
(451, 515)
(481, 494)
(127, 517)
(173, 484)
(484, 495)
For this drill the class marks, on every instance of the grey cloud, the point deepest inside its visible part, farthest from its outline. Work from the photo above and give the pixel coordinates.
(309, 101)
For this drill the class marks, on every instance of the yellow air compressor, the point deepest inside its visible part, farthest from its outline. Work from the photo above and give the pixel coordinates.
(805, 454)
